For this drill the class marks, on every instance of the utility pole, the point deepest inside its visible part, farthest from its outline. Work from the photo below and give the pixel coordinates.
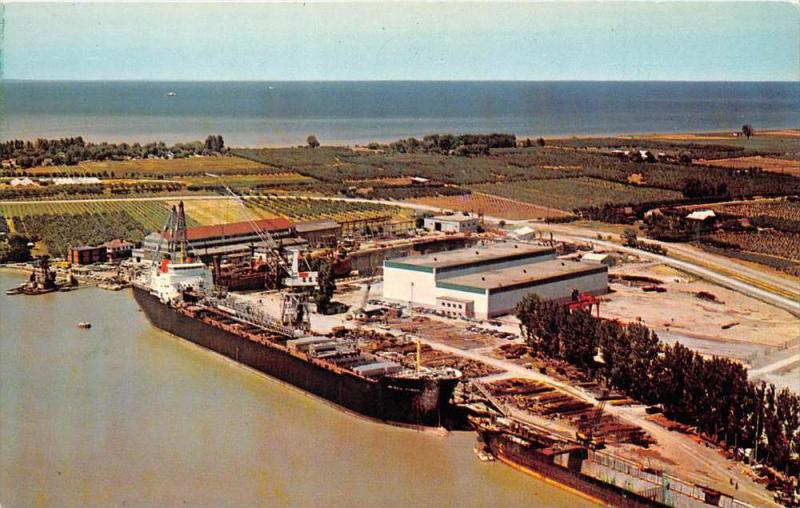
(758, 421)
(410, 313)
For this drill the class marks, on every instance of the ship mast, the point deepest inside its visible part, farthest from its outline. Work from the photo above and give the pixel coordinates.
(175, 233)
(180, 231)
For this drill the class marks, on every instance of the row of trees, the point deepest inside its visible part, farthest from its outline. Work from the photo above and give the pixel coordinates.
(712, 394)
(34, 192)
(71, 151)
(700, 188)
(450, 144)
(37, 192)
(214, 143)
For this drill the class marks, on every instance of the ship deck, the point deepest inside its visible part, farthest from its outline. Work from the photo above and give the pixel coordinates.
(350, 362)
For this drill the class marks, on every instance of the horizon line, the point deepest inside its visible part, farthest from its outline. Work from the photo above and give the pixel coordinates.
(264, 80)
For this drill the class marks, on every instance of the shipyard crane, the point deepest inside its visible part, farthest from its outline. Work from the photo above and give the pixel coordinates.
(294, 309)
(588, 427)
(175, 233)
(359, 313)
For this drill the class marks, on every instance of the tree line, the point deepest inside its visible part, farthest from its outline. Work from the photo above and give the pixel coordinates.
(713, 394)
(31, 192)
(450, 144)
(71, 151)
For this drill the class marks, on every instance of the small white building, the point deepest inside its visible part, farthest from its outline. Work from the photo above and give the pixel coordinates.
(21, 182)
(451, 223)
(599, 258)
(523, 234)
(701, 215)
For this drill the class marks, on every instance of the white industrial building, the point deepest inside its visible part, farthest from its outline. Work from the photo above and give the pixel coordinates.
(451, 223)
(489, 281)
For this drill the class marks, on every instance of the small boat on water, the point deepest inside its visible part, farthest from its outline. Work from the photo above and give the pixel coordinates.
(17, 290)
(85, 324)
(171, 94)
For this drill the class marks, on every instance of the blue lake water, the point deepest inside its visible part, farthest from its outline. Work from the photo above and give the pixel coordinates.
(284, 113)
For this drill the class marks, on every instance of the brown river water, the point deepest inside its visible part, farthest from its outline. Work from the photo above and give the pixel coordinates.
(126, 415)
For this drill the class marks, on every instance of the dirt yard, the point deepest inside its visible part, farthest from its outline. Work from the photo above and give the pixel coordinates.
(697, 309)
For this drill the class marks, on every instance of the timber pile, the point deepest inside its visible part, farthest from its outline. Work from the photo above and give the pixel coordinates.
(443, 332)
(405, 351)
(513, 351)
(543, 400)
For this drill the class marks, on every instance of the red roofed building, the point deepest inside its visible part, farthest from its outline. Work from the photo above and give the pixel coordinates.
(221, 238)
(235, 230)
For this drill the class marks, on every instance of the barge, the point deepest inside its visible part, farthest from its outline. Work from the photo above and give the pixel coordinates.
(591, 473)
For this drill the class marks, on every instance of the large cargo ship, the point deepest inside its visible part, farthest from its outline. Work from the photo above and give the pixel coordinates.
(601, 477)
(180, 298)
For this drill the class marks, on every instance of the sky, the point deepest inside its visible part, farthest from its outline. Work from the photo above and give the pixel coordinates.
(708, 41)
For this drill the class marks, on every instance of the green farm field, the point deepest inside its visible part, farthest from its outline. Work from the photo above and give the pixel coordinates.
(572, 193)
(151, 214)
(167, 167)
(217, 211)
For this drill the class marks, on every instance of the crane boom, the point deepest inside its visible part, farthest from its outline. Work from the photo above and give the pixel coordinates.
(263, 234)
(295, 309)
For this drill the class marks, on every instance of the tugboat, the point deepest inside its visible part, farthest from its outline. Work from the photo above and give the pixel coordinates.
(16, 290)
(41, 281)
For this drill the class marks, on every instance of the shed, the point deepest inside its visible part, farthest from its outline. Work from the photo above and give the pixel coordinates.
(598, 257)
(701, 215)
(524, 233)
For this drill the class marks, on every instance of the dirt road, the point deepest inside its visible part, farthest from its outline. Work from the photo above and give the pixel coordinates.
(696, 461)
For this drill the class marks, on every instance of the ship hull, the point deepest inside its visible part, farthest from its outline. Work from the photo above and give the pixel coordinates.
(414, 402)
(567, 476)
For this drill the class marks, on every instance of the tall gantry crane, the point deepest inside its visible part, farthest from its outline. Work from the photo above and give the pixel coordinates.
(297, 283)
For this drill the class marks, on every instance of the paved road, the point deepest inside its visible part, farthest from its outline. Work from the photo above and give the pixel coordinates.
(789, 304)
(785, 362)
(698, 255)
(215, 197)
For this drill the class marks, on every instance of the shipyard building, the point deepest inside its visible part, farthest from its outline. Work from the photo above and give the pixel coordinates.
(451, 224)
(490, 280)
(220, 239)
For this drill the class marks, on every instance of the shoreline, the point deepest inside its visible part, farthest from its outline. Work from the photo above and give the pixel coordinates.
(14, 269)
(709, 135)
